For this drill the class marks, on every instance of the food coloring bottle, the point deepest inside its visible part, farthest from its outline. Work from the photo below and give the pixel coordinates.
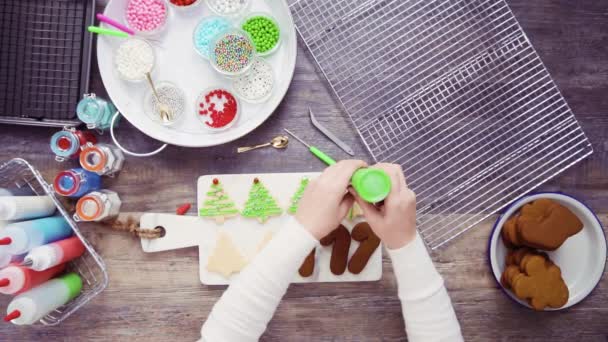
(103, 159)
(76, 182)
(98, 206)
(95, 112)
(66, 144)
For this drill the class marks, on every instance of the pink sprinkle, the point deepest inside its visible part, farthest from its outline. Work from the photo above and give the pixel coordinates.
(146, 15)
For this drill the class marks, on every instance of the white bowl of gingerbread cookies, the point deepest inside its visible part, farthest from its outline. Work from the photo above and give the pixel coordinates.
(547, 251)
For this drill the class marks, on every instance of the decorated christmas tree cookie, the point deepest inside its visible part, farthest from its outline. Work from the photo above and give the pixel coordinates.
(225, 258)
(295, 200)
(218, 205)
(260, 204)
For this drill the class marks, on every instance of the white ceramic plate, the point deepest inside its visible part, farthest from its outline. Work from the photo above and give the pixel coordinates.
(581, 258)
(178, 63)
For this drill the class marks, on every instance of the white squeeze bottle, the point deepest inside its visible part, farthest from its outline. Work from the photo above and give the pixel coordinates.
(14, 208)
(29, 307)
(7, 258)
(22, 191)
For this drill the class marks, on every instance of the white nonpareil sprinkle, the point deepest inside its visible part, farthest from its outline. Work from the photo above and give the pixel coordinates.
(134, 58)
(227, 7)
(173, 98)
(257, 84)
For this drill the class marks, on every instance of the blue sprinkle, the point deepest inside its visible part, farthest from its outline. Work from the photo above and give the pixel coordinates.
(206, 30)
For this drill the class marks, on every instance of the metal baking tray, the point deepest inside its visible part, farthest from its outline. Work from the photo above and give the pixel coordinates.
(45, 59)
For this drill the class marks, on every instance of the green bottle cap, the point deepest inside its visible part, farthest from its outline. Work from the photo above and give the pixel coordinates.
(74, 284)
(373, 185)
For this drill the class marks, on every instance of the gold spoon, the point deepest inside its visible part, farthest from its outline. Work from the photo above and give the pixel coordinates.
(165, 111)
(279, 142)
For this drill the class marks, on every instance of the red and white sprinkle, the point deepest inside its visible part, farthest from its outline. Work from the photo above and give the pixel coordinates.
(217, 109)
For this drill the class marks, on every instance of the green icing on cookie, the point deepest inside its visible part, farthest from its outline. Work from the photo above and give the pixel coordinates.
(217, 204)
(295, 199)
(260, 204)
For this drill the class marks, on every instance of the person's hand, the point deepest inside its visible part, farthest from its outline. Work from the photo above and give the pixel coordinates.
(326, 200)
(395, 221)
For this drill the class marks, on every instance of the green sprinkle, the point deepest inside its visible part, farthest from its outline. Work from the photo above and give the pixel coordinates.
(264, 32)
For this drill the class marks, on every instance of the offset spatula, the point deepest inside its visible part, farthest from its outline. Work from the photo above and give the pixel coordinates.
(330, 135)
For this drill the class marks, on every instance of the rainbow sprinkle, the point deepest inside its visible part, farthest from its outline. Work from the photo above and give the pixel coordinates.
(233, 53)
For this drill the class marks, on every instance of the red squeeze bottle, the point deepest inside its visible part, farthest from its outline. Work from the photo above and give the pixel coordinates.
(44, 257)
(16, 279)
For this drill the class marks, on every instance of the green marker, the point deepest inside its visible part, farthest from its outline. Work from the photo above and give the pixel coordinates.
(108, 32)
(373, 185)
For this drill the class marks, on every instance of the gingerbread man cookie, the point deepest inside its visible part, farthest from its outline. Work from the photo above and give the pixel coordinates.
(546, 224)
(369, 242)
(542, 284)
(308, 266)
(509, 233)
(516, 256)
(508, 275)
(340, 238)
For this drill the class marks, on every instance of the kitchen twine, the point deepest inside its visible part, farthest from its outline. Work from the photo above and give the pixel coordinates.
(133, 154)
(132, 226)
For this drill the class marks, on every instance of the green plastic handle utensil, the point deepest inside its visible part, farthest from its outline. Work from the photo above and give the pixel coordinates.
(373, 185)
(319, 154)
(107, 32)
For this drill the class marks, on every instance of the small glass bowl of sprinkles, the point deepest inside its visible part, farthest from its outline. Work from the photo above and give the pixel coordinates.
(206, 30)
(231, 52)
(229, 8)
(183, 5)
(217, 109)
(256, 85)
(146, 17)
(264, 31)
(133, 59)
(170, 95)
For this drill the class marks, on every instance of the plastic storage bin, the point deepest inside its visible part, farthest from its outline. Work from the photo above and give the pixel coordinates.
(18, 173)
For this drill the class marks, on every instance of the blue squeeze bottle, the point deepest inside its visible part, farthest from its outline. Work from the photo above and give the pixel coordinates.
(21, 237)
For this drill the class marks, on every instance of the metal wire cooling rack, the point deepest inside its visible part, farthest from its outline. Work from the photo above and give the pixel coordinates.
(44, 60)
(18, 173)
(452, 90)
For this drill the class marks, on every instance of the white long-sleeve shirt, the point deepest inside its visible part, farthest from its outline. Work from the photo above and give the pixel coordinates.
(244, 310)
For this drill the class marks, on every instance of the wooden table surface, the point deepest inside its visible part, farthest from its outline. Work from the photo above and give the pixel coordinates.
(158, 297)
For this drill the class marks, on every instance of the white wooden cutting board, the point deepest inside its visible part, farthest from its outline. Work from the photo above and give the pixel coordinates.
(190, 231)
